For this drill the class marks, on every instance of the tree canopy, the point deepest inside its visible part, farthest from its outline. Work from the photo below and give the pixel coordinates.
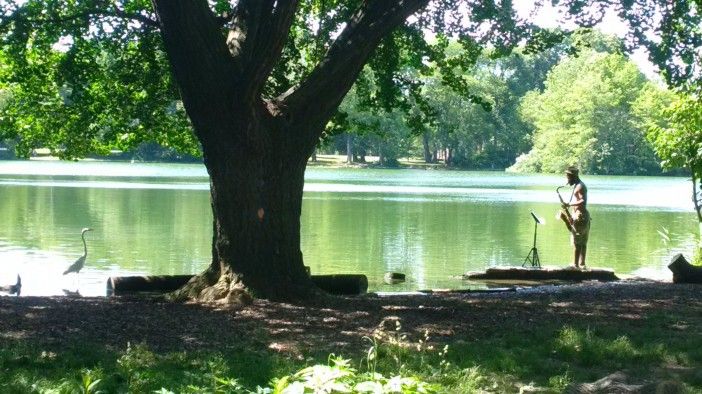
(100, 67)
(679, 141)
(593, 113)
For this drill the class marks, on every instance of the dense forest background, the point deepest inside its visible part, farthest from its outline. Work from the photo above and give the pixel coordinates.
(580, 102)
(583, 102)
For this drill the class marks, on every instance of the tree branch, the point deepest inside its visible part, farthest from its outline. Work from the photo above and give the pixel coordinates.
(318, 96)
(200, 60)
(133, 16)
(258, 32)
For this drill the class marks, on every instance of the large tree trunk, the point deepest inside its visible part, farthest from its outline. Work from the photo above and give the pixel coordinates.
(256, 192)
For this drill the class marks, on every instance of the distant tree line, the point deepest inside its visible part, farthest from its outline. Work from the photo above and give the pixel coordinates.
(582, 102)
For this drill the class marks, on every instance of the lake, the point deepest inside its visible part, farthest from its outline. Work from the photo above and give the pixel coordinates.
(155, 219)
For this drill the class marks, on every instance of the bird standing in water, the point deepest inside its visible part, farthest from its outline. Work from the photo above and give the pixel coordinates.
(13, 289)
(78, 265)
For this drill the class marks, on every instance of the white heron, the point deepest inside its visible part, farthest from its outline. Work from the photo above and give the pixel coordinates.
(13, 289)
(78, 265)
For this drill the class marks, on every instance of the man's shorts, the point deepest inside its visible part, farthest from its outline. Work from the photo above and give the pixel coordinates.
(581, 223)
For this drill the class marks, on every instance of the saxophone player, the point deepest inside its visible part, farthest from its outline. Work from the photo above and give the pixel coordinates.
(578, 222)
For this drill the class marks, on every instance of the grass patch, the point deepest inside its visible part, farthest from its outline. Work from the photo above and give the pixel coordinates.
(25, 369)
(551, 358)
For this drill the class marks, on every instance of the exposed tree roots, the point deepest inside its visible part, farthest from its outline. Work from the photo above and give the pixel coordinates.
(227, 288)
(210, 287)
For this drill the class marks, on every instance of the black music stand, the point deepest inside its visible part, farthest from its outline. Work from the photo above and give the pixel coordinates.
(533, 256)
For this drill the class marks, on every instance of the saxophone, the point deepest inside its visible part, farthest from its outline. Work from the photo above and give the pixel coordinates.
(564, 212)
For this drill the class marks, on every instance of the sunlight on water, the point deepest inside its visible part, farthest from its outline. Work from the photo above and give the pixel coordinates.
(653, 192)
(42, 273)
(107, 184)
(653, 197)
(155, 219)
(99, 168)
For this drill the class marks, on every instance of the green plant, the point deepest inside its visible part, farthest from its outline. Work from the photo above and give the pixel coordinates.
(136, 364)
(665, 237)
(559, 382)
(333, 377)
(339, 377)
(371, 358)
(89, 382)
(697, 256)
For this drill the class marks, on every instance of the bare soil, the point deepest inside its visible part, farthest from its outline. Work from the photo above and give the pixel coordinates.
(339, 324)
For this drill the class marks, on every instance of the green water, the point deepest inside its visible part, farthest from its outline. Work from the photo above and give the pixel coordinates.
(431, 225)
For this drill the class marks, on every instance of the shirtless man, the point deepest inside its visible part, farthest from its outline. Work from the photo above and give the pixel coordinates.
(579, 223)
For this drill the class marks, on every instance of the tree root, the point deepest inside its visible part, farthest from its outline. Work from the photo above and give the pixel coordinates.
(228, 288)
(209, 287)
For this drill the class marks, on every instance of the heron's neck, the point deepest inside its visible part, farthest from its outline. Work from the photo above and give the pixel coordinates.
(85, 247)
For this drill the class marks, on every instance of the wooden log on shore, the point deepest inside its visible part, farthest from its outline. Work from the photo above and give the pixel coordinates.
(118, 285)
(341, 284)
(567, 274)
(683, 271)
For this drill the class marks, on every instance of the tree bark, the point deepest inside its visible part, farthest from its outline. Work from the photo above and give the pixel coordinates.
(427, 151)
(696, 199)
(256, 193)
(349, 148)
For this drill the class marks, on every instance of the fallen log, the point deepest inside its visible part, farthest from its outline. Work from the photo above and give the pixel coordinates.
(567, 274)
(118, 285)
(340, 284)
(683, 271)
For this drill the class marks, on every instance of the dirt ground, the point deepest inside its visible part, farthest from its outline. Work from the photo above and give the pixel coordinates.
(336, 324)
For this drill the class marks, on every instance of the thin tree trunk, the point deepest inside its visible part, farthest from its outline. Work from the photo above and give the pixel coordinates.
(698, 210)
(427, 150)
(349, 148)
(696, 199)
(362, 155)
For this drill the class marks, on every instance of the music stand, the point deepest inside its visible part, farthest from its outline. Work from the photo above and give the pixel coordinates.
(533, 256)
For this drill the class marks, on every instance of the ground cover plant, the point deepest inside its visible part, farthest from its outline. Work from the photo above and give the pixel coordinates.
(440, 343)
